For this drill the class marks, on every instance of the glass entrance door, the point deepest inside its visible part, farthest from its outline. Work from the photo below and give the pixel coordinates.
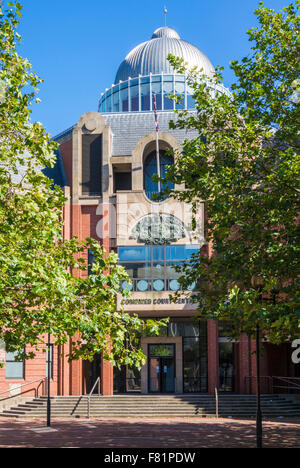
(161, 369)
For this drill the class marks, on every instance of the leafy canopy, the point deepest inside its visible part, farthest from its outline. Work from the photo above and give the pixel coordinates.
(244, 165)
(44, 287)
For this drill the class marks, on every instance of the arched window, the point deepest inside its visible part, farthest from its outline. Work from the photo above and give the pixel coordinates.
(150, 168)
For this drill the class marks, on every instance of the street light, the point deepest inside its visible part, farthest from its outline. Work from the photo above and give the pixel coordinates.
(258, 283)
(48, 385)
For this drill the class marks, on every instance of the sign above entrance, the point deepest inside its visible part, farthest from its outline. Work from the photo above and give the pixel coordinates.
(161, 350)
(150, 300)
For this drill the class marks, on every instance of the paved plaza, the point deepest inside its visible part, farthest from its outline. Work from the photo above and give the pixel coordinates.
(146, 433)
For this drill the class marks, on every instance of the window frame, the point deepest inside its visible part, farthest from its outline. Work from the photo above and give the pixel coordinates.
(151, 261)
(7, 361)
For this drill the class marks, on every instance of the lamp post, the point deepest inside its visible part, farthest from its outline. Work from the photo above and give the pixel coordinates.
(258, 392)
(48, 385)
(257, 283)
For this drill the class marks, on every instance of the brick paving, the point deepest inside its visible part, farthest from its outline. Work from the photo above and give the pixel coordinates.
(146, 433)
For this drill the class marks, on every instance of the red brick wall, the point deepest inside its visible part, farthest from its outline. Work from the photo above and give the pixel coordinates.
(35, 369)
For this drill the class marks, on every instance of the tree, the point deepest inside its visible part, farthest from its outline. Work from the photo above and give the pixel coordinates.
(244, 165)
(39, 290)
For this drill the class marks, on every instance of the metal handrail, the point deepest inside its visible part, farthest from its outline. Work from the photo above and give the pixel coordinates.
(288, 380)
(217, 402)
(268, 378)
(216, 398)
(90, 394)
(24, 385)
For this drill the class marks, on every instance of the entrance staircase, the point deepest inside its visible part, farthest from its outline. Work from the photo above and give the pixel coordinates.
(240, 406)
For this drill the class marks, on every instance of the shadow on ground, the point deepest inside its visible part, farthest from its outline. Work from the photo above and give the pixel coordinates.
(147, 433)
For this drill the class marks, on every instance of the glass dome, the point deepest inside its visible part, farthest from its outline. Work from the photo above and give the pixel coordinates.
(147, 71)
(134, 95)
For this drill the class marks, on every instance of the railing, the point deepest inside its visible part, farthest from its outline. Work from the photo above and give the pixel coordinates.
(24, 385)
(293, 383)
(217, 401)
(91, 392)
(265, 381)
(268, 383)
(155, 285)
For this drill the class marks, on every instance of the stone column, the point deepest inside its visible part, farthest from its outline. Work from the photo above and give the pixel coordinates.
(244, 364)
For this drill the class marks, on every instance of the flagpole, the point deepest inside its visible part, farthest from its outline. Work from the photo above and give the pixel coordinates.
(157, 143)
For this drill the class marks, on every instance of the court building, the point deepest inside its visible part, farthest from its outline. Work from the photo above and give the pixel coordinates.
(105, 164)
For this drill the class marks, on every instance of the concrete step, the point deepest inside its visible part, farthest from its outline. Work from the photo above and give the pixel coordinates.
(155, 405)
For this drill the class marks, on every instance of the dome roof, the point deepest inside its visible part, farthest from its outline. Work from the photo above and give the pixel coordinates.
(151, 56)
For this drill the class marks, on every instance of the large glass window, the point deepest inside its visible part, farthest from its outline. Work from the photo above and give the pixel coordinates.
(156, 89)
(115, 100)
(180, 91)
(108, 103)
(168, 89)
(194, 349)
(102, 105)
(134, 95)
(190, 101)
(227, 349)
(152, 268)
(150, 169)
(145, 94)
(134, 253)
(124, 97)
(140, 91)
(14, 369)
(226, 366)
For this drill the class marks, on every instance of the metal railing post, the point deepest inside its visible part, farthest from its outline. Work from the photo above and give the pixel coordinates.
(98, 381)
(217, 400)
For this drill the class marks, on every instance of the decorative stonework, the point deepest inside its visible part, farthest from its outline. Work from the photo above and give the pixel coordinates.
(158, 229)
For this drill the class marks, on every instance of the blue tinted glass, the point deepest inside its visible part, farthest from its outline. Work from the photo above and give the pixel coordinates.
(158, 252)
(191, 250)
(180, 91)
(108, 104)
(156, 79)
(156, 89)
(168, 89)
(145, 80)
(124, 100)
(134, 254)
(150, 168)
(190, 100)
(116, 101)
(180, 252)
(134, 95)
(145, 96)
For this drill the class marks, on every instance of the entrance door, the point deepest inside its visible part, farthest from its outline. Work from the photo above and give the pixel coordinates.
(95, 372)
(161, 368)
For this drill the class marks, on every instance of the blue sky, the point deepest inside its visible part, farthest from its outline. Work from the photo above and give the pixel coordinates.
(76, 46)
